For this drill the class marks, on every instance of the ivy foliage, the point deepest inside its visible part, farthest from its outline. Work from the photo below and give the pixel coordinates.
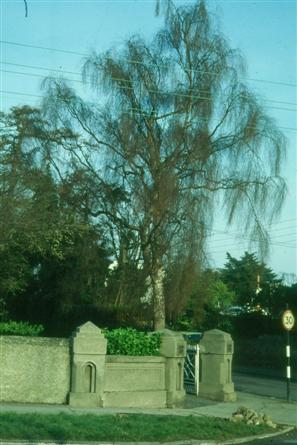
(129, 341)
(20, 328)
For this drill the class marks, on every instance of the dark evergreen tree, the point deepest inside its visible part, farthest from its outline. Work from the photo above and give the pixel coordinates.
(252, 281)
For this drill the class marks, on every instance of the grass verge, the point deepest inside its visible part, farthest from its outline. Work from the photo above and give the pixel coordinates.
(121, 427)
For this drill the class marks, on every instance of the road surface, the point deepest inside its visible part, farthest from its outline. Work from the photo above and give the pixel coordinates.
(286, 439)
(270, 388)
(264, 387)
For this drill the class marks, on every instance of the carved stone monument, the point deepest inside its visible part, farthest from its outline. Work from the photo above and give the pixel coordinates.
(88, 364)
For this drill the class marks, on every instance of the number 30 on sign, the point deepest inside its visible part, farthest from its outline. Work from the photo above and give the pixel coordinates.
(288, 320)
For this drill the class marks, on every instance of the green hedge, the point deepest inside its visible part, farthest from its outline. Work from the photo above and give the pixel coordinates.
(246, 325)
(266, 351)
(128, 341)
(20, 328)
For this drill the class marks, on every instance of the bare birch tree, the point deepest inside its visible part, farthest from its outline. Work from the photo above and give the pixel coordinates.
(173, 132)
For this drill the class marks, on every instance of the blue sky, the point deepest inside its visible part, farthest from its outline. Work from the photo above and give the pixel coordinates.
(264, 31)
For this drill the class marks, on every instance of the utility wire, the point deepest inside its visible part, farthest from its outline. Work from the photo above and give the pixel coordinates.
(20, 94)
(17, 93)
(273, 243)
(138, 62)
(287, 243)
(280, 229)
(233, 246)
(242, 238)
(147, 114)
(240, 245)
(224, 240)
(215, 232)
(169, 93)
(34, 75)
(240, 248)
(43, 68)
(65, 51)
(76, 73)
(269, 225)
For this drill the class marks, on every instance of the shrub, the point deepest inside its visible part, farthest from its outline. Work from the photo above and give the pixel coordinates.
(266, 352)
(131, 342)
(255, 324)
(215, 320)
(20, 328)
(244, 325)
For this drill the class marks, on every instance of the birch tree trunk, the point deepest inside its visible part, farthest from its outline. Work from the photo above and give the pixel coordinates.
(158, 296)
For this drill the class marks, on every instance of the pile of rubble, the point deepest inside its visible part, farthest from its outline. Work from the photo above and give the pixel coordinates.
(250, 417)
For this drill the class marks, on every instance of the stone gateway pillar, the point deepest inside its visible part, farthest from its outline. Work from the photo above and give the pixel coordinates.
(173, 348)
(87, 370)
(216, 351)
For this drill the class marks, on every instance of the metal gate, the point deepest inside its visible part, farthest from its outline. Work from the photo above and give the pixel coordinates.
(191, 370)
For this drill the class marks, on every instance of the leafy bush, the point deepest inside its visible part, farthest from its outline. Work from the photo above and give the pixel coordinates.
(255, 324)
(266, 352)
(131, 342)
(244, 325)
(20, 328)
(213, 319)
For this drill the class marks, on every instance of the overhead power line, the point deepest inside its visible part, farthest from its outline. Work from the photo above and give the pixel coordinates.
(34, 75)
(241, 238)
(147, 114)
(237, 247)
(169, 93)
(17, 93)
(43, 68)
(65, 51)
(213, 233)
(271, 230)
(273, 239)
(62, 71)
(6, 42)
(292, 243)
(287, 243)
(284, 221)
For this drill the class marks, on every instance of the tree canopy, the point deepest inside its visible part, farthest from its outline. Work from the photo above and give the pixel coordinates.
(252, 281)
(51, 256)
(171, 133)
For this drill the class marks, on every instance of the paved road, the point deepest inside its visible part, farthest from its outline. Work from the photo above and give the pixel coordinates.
(286, 439)
(264, 387)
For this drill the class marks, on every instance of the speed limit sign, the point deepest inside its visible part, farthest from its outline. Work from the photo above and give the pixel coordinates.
(288, 320)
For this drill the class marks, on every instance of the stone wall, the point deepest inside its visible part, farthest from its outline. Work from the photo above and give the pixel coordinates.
(134, 382)
(99, 380)
(34, 370)
(78, 372)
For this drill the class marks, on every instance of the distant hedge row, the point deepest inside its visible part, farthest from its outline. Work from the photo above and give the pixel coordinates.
(265, 352)
(20, 328)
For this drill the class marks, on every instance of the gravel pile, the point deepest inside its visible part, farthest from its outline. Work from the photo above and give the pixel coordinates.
(251, 417)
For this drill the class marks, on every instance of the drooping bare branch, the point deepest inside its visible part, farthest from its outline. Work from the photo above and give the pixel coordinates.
(26, 8)
(177, 132)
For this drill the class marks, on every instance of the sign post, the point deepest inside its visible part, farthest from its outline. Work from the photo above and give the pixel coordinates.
(288, 322)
